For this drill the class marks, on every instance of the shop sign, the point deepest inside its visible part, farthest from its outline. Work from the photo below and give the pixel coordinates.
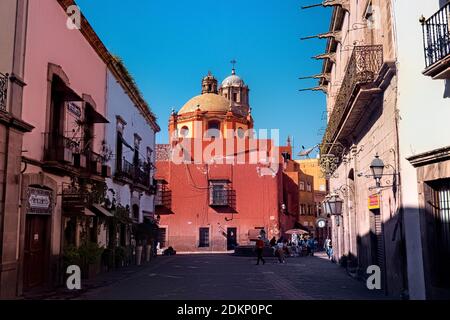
(374, 202)
(39, 201)
(74, 109)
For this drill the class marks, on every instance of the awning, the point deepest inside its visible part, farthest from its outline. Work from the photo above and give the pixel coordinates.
(88, 212)
(78, 212)
(94, 116)
(67, 93)
(99, 209)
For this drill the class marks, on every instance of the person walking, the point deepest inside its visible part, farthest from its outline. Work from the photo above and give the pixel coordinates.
(260, 250)
(280, 252)
(327, 247)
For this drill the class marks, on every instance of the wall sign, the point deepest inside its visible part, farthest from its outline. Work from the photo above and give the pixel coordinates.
(374, 202)
(39, 201)
(74, 109)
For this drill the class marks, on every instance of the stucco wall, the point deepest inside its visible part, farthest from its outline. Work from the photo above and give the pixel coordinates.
(424, 121)
(257, 204)
(120, 104)
(50, 41)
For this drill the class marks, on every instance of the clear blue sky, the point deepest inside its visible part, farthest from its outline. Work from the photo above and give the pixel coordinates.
(169, 46)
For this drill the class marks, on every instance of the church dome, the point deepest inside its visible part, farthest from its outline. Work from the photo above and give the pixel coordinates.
(233, 81)
(206, 102)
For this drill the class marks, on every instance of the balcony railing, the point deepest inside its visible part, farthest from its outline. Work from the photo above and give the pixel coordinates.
(142, 176)
(94, 163)
(363, 67)
(59, 148)
(74, 198)
(137, 174)
(3, 91)
(436, 36)
(163, 197)
(127, 170)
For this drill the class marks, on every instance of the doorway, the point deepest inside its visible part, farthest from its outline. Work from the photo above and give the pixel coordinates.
(35, 251)
(231, 238)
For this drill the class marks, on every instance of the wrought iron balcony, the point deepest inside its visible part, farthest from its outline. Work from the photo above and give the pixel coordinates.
(142, 176)
(74, 199)
(59, 148)
(163, 197)
(363, 68)
(94, 163)
(3, 91)
(436, 39)
(126, 170)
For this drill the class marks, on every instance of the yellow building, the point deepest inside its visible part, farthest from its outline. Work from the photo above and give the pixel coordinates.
(311, 167)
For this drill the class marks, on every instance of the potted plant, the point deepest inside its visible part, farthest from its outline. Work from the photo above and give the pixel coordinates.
(90, 255)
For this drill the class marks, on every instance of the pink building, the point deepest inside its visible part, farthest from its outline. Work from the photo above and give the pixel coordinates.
(56, 178)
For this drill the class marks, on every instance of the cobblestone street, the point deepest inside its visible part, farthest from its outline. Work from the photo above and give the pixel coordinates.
(230, 277)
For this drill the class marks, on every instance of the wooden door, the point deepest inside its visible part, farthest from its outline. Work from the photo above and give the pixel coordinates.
(36, 252)
(231, 238)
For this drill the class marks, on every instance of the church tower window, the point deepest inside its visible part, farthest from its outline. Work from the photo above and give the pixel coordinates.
(213, 129)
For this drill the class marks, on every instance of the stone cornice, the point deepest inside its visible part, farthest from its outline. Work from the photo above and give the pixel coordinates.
(429, 157)
(13, 122)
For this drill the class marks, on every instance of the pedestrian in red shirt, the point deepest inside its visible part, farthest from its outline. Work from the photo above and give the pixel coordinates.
(260, 250)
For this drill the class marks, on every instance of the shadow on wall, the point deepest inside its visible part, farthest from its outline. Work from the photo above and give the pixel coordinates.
(385, 246)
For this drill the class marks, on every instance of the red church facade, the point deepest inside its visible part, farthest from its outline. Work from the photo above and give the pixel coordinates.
(231, 194)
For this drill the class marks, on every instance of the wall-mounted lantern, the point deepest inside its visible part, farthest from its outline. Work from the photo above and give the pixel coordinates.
(377, 168)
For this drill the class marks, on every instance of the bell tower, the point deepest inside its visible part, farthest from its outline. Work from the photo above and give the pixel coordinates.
(235, 90)
(209, 84)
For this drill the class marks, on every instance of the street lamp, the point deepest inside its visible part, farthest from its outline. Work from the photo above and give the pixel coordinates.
(325, 207)
(377, 167)
(333, 204)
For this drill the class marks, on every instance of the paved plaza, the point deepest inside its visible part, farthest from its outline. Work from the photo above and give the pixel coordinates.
(223, 276)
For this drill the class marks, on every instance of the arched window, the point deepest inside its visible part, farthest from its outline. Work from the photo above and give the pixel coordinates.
(213, 129)
(240, 132)
(184, 131)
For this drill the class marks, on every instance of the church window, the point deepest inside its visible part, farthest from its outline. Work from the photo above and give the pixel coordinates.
(184, 131)
(213, 129)
(241, 133)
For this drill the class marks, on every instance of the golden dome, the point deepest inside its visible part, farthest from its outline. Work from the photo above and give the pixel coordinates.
(206, 102)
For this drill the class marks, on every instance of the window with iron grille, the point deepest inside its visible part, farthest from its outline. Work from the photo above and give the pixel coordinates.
(163, 197)
(437, 195)
(220, 193)
(203, 237)
(162, 237)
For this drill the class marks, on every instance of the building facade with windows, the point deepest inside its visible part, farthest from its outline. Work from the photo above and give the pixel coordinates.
(13, 16)
(130, 137)
(211, 196)
(424, 141)
(379, 107)
(56, 174)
